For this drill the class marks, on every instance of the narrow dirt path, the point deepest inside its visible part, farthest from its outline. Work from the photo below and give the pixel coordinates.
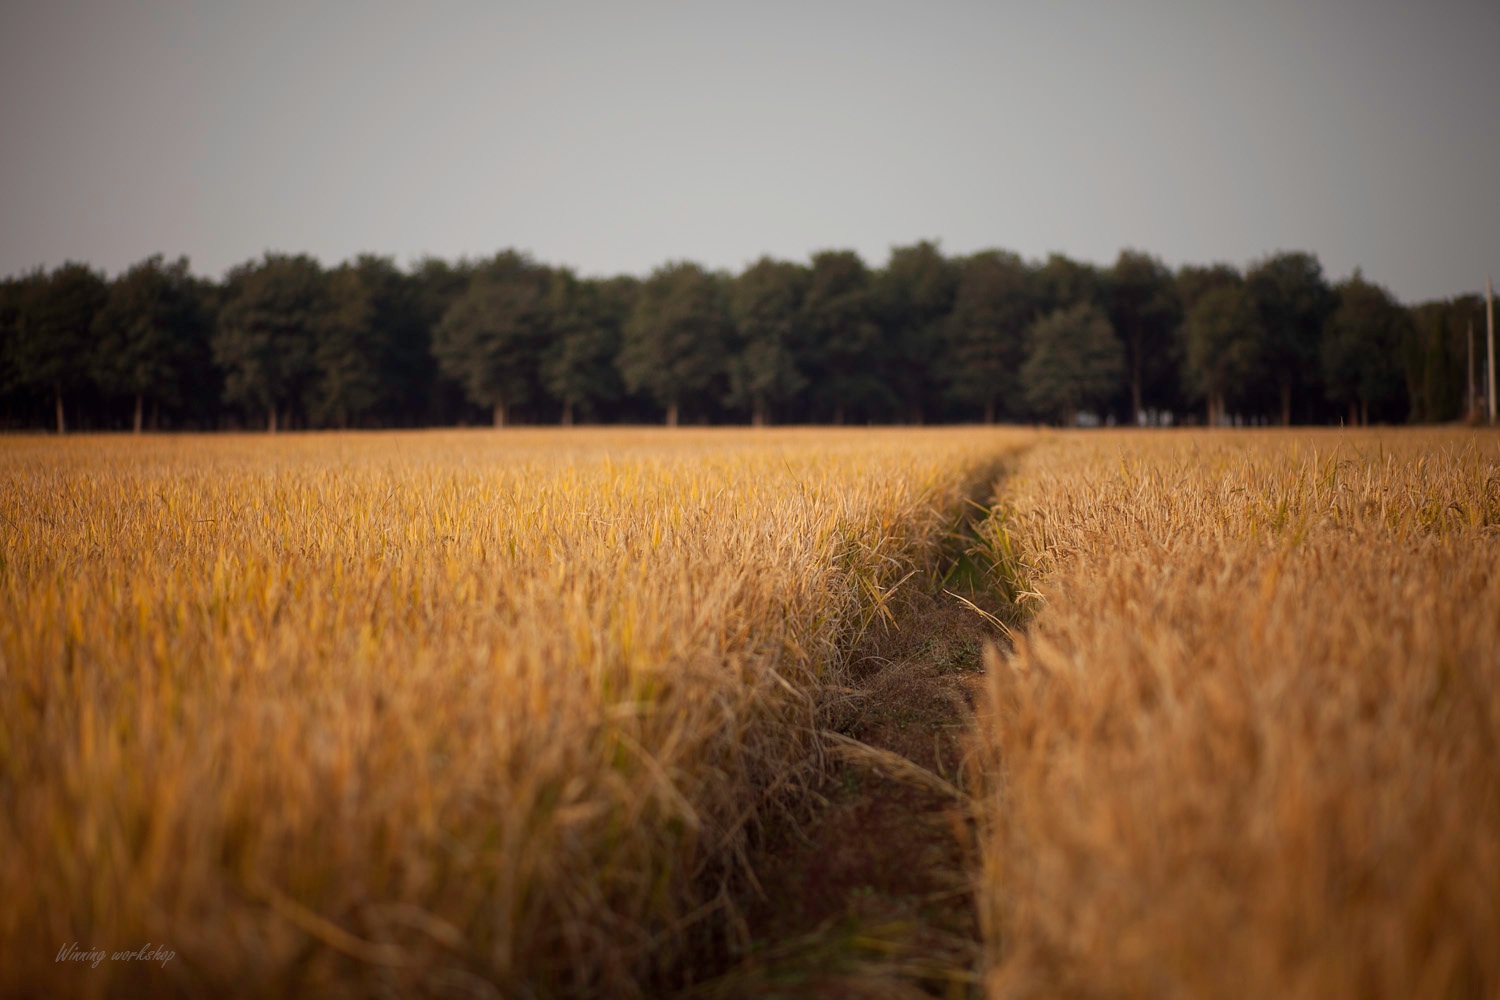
(870, 896)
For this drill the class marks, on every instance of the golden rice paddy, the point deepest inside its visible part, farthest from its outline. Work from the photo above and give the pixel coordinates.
(504, 713)
(457, 713)
(1250, 744)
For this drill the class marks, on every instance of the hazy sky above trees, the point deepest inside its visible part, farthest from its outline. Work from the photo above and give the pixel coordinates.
(616, 136)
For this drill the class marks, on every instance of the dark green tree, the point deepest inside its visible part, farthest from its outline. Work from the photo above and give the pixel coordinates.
(1293, 302)
(1074, 362)
(1425, 364)
(55, 347)
(264, 339)
(766, 309)
(52, 345)
(1362, 347)
(144, 334)
(985, 334)
(845, 353)
(14, 390)
(1225, 344)
(586, 318)
(199, 397)
(1062, 282)
(436, 284)
(399, 341)
(490, 340)
(1145, 312)
(674, 344)
(913, 297)
(350, 348)
(1436, 361)
(1194, 282)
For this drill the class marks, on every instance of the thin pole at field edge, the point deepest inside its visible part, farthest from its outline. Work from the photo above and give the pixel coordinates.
(1489, 318)
(1469, 409)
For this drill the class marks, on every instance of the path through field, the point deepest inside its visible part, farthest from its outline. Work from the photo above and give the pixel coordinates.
(870, 895)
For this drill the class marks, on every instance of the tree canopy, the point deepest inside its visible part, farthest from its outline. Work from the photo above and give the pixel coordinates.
(1144, 311)
(587, 319)
(846, 344)
(491, 337)
(914, 295)
(986, 334)
(765, 306)
(1361, 348)
(286, 343)
(52, 343)
(144, 333)
(265, 338)
(1292, 303)
(1075, 362)
(674, 344)
(1224, 347)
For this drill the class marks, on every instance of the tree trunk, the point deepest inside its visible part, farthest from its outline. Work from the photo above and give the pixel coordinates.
(1286, 404)
(271, 421)
(672, 414)
(62, 424)
(1364, 413)
(139, 407)
(155, 416)
(758, 414)
(567, 414)
(1353, 413)
(838, 416)
(989, 410)
(1135, 384)
(499, 414)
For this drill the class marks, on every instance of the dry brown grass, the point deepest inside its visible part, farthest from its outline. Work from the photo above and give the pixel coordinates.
(444, 713)
(1248, 746)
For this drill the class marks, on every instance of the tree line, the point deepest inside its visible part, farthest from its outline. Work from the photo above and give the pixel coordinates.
(283, 342)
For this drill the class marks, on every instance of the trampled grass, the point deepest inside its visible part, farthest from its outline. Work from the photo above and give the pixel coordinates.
(1250, 743)
(443, 713)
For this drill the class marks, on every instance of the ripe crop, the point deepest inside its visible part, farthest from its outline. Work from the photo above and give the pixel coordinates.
(503, 713)
(1248, 744)
(457, 712)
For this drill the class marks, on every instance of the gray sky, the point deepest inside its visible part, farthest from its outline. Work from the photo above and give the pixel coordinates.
(615, 136)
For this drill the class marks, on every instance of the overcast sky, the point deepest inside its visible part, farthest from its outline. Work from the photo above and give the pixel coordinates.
(615, 136)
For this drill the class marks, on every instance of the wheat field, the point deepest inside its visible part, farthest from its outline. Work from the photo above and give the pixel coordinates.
(1249, 744)
(459, 713)
(507, 713)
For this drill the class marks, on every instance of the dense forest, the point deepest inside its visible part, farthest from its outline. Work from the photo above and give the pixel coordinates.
(283, 342)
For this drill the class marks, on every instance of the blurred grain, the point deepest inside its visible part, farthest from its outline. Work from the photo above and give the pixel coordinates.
(456, 713)
(1248, 745)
